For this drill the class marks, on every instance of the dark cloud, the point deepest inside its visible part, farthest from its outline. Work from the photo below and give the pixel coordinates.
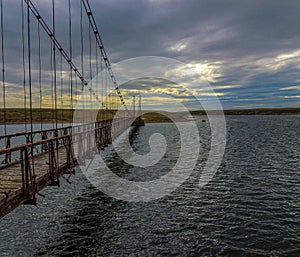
(237, 33)
(242, 39)
(244, 27)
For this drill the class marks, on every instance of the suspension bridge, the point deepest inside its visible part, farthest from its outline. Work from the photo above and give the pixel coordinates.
(44, 78)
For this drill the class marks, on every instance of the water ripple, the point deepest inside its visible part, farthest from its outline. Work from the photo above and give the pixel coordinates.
(250, 208)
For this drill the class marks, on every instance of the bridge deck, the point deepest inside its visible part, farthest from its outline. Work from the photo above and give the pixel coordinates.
(11, 185)
(21, 180)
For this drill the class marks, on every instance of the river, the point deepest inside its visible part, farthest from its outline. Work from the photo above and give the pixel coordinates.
(250, 207)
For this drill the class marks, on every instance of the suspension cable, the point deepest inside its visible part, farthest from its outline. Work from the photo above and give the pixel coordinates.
(52, 83)
(61, 91)
(59, 47)
(81, 40)
(91, 71)
(3, 73)
(76, 89)
(70, 53)
(90, 52)
(102, 49)
(97, 77)
(24, 67)
(40, 77)
(29, 71)
(102, 85)
(30, 90)
(81, 58)
(54, 65)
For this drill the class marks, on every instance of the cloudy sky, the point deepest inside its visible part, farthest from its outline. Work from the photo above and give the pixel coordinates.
(249, 51)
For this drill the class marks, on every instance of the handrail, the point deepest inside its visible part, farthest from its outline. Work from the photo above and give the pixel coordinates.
(32, 144)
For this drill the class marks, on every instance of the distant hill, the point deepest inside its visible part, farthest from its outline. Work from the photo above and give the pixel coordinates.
(257, 111)
(17, 115)
(181, 116)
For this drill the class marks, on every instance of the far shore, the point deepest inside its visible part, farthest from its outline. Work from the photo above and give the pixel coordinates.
(16, 115)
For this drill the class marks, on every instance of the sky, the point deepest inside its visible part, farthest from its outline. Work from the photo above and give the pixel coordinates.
(248, 51)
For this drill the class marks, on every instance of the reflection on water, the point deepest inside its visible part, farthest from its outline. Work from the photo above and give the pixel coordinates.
(251, 206)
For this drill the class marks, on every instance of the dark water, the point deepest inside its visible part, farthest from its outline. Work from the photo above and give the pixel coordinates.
(251, 207)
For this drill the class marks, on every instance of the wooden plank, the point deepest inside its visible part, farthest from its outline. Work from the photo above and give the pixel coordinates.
(10, 180)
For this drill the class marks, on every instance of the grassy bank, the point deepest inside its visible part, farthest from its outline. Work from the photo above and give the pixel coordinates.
(258, 111)
(19, 115)
(156, 117)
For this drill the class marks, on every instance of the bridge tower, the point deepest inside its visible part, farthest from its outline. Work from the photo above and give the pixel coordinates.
(138, 120)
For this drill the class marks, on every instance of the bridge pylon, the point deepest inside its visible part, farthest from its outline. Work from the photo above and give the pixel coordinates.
(138, 122)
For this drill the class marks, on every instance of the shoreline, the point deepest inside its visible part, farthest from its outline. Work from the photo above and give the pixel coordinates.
(164, 119)
(14, 115)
